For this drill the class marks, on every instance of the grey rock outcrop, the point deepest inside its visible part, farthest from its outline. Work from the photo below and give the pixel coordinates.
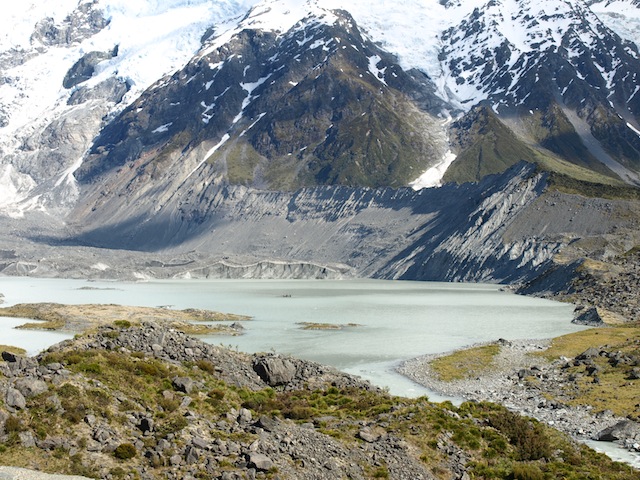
(84, 68)
(30, 387)
(15, 399)
(274, 370)
(623, 430)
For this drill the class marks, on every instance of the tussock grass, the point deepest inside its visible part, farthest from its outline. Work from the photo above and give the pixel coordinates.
(12, 349)
(573, 344)
(111, 385)
(468, 363)
(614, 390)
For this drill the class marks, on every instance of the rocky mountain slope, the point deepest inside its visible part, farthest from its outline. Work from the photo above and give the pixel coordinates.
(188, 410)
(236, 138)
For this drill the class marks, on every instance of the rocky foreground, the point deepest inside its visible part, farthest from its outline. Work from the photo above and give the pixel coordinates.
(151, 402)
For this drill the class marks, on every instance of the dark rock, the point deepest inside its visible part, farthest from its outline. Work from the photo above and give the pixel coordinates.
(84, 68)
(592, 370)
(274, 370)
(146, 424)
(621, 430)
(267, 423)
(9, 357)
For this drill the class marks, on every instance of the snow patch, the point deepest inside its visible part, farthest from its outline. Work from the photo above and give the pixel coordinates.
(432, 177)
(375, 71)
(634, 129)
(162, 128)
(14, 189)
(100, 266)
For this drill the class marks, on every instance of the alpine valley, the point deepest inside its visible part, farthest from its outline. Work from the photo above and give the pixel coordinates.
(440, 140)
(492, 141)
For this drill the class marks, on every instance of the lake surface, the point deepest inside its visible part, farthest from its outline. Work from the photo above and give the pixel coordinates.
(395, 320)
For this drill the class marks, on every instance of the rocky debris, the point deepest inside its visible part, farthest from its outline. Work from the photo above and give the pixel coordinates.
(234, 368)
(612, 286)
(507, 384)
(234, 444)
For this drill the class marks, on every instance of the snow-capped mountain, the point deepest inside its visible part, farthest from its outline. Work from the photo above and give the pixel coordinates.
(160, 98)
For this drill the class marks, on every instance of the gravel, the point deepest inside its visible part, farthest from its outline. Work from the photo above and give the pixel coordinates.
(14, 473)
(503, 385)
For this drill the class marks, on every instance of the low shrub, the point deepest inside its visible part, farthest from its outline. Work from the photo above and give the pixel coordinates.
(125, 451)
(526, 435)
(523, 471)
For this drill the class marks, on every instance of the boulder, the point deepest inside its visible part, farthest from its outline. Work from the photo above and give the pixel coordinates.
(622, 430)
(146, 424)
(183, 384)
(274, 370)
(30, 387)
(587, 316)
(268, 424)
(260, 461)
(15, 399)
(589, 353)
(9, 357)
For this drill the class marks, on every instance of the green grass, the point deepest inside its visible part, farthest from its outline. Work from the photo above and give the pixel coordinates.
(593, 186)
(468, 363)
(12, 349)
(614, 391)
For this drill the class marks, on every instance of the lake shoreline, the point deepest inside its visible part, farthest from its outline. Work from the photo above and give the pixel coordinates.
(504, 384)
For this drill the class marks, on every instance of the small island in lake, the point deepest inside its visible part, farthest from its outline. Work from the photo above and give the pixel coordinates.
(80, 318)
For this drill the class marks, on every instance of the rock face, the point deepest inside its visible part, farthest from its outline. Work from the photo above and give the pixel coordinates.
(286, 152)
(274, 370)
(587, 316)
(452, 233)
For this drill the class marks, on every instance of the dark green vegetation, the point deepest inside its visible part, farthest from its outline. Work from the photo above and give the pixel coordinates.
(121, 413)
(297, 117)
(486, 144)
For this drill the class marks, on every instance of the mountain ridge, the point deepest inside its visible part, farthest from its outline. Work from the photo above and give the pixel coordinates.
(263, 102)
